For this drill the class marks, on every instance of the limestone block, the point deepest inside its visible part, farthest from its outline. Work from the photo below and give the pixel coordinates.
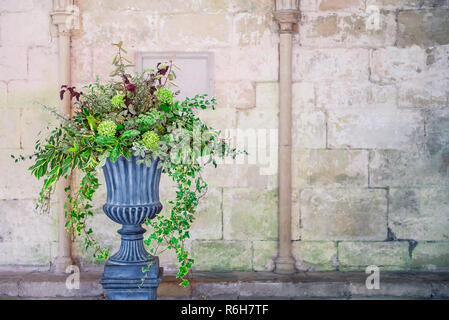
(406, 4)
(160, 6)
(330, 168)
(423, 27)
(13, 62)
(303, 95)
(375, 128)
(237, 6)
(208, 29)
(235, 94)
(19, 221)
(330, 64)
(17, 183)
(338, 94)
(10, 129)
(16, 29)
(411, 168)
(267, 95)
(208, 222)
(381, 254)
(308, 129)
(249, 214)
(135, 28)
(42, 63)
(343, 214)
(222, 255)
(347, 30)
(419, 214)
(17, 6)
(32, 94)
(81, 62)
(252, 29)
(397, 64)
(264, 254)
(29, 253)
(315, 255)
(423, 93)
(431, 256)
(3, 93)
(36, 122)
(334, 5)
(245, 63)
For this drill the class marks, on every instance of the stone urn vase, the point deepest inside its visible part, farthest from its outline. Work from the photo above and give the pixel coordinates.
(132, 197)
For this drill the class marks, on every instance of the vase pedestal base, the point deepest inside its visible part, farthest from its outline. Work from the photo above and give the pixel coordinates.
(123, 281)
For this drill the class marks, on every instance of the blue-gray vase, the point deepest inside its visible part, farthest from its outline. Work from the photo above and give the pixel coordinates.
(132, 197)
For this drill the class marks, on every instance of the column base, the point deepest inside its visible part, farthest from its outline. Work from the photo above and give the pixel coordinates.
(123, 281)
(61, 264)
(284, 265)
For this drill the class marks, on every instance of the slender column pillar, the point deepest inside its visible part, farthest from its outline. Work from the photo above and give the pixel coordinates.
(286, 14)
(61, 18)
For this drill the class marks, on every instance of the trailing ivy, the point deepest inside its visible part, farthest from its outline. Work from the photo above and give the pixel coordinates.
(132, 114)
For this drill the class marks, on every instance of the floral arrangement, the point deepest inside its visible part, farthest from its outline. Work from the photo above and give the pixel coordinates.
(131, 115)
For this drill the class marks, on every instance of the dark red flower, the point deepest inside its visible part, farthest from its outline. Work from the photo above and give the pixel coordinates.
(131, 87)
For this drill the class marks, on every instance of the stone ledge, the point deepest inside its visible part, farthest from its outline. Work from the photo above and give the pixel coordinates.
(240, 285)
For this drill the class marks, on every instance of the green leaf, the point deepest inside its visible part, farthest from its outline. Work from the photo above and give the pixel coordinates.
(115, 153)
(129, 134)
(104, 141)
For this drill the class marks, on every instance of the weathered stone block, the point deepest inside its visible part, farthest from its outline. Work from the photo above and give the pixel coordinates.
(431, 256)
(247, 60)
(31, 253)
(374, 128)
(343, 214)
(208, 221)
(330, 168)
(315, 255)
(406, 4)
(235, 94)
(252, 29)
(264, 253)
(303, 95)
(429, 93)
(17, 6)
(330, 64)
(36, 33)
(10, 130)
(36, 122)
(33, 94)
(3, 93)
(347, 30)
(14, 62)
(411, 289)
(222, 255)
(397, 64)
(154, 5)
(344, 94)
(380, 254)
(237, 6)
(42, 64)
(82, 58)
(20, 219)
(267, 95)
(308, 129)
(208, 29)
(333, 5)
(249, 214)
(423, 27)
(419, 214)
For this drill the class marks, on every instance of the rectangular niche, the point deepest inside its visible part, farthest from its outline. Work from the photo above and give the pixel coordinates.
(194, 76)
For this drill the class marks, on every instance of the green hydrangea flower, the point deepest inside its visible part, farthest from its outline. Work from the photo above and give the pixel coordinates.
(107, 128)
(117, 100)
(165, 96)
(150, 140)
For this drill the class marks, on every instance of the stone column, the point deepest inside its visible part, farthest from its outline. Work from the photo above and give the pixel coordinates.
(287, 13)
(62, 20)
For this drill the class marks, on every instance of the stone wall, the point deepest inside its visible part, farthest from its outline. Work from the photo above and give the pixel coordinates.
(370, 126)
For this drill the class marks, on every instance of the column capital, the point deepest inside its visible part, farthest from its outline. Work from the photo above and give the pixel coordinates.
(64, 16)
(288, 20)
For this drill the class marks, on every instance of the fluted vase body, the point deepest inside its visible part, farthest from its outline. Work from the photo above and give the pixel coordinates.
(132, 198)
